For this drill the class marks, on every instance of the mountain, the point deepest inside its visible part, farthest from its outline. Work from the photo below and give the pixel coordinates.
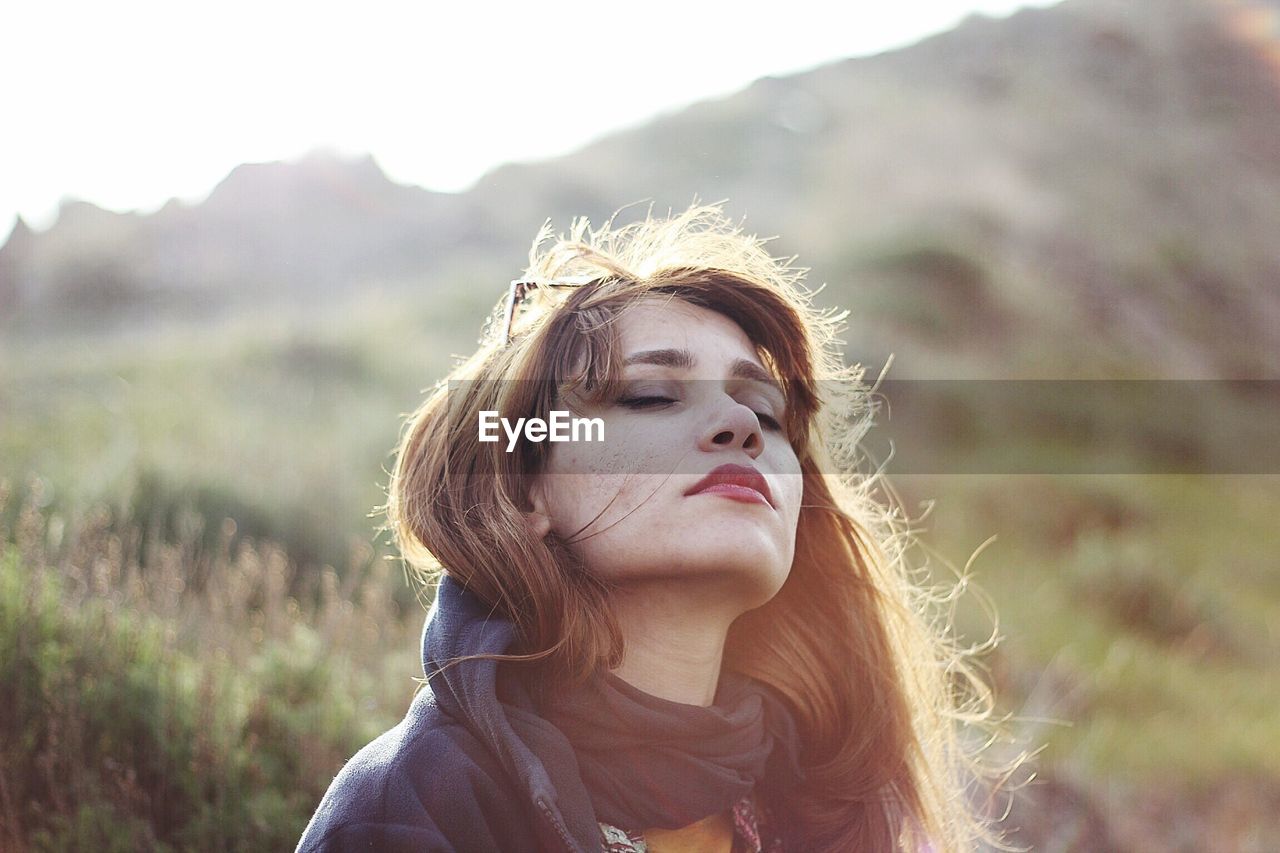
(302, 231)
(1087, 189)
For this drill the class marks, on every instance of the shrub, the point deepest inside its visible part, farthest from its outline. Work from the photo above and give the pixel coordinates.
(142, 715)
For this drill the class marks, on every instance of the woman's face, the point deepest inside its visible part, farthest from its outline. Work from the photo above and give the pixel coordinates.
(631, 506)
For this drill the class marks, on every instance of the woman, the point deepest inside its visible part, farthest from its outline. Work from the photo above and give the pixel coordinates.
(694, 632)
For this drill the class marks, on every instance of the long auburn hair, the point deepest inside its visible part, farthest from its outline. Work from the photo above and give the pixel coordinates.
(853, 640)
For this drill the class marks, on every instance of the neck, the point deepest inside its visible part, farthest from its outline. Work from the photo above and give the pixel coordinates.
(674, 630)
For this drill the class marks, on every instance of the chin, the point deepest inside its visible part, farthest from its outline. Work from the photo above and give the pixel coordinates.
(743, 558)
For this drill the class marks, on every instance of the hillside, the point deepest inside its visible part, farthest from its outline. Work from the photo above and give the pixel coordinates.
(1086, 190)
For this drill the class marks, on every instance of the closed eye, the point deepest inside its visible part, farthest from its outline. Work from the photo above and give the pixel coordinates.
(769, 421)
(646, 402)
(653, 401)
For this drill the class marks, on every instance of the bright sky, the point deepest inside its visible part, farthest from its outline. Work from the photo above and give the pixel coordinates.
(129, 103)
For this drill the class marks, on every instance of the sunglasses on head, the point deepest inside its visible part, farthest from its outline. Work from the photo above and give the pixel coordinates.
(526, 296)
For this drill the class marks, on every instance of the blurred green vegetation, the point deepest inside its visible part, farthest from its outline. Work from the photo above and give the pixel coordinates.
(286, 425)
(1139, 616)
(142, 715)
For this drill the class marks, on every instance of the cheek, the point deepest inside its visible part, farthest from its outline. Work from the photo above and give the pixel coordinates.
(789, 473)
(586, 485)
(790, 490)
(583, 478)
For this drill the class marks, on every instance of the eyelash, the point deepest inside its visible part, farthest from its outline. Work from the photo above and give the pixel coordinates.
(649, 402)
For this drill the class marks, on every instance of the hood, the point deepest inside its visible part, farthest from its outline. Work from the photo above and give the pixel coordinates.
(539, 758)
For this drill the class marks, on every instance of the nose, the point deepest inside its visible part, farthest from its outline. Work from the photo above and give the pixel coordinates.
(734, 425)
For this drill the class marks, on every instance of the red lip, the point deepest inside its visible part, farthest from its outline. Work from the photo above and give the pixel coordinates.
(741, 476)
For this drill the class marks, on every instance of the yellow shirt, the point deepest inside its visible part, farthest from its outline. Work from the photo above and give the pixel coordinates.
(745, 828)
(712, 834)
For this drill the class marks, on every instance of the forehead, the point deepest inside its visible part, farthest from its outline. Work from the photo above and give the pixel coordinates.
(656, 323)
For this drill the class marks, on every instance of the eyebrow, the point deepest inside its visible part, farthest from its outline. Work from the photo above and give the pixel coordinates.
(683, 359)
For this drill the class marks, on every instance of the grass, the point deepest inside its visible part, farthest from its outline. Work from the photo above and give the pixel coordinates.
(142, 714)
(1140, 616)
(286, 426)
